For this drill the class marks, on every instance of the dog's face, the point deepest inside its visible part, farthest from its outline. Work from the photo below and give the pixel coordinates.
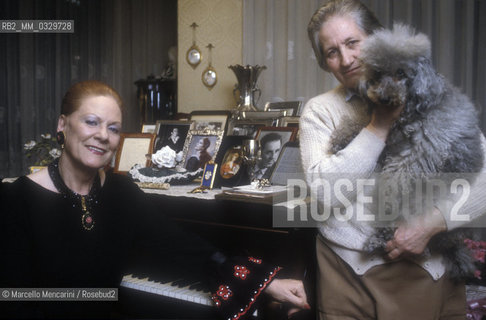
(386, 85)
(396, 67)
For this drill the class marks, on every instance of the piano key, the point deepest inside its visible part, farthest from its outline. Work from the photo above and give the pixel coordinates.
(169, 289)
(198, 286)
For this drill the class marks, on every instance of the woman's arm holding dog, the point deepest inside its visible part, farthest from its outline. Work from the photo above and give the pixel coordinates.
(413, 237)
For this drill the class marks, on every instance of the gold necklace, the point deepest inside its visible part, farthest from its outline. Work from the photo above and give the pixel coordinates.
(86, 219)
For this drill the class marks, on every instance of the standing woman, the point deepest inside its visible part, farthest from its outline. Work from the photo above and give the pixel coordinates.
(352, 284)
(73, 226)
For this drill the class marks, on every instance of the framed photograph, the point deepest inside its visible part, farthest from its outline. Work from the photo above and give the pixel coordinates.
(212, 120)
(288, 166)
(201, 146)
(209, 174)
(290, 108)
(148, 128)
(263, 115)
(286, 133)
(248, 128)
(172, 133)
(232, 163)
(132, 150)
(289, 122)
(271, 141)
(239, 175)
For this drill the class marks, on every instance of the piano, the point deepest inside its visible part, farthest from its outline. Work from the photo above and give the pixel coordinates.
(237, 228)
(177, 289)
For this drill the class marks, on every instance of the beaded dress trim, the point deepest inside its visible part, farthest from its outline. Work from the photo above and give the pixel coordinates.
(85, 203)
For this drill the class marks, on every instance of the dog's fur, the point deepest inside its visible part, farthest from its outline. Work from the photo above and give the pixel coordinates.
(437, 131)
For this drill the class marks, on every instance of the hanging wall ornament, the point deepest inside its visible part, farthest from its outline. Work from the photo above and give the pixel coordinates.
(193, 55)
(209, 76)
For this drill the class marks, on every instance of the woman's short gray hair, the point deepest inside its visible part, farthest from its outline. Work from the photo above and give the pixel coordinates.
(364, 18)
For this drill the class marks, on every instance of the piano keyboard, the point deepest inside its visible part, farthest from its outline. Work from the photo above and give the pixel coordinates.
(169, 289)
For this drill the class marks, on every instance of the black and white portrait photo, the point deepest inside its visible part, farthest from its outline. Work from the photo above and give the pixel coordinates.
(172, 134)
(271, 141)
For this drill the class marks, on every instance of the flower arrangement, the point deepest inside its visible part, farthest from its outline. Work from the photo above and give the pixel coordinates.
(166, 158)
(41, 153)
(166, 168)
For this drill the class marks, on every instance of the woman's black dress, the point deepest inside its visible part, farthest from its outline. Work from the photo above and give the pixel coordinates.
(44, 245)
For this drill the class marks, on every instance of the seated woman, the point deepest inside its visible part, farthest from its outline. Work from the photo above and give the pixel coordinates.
(231, 166)
(73, 225)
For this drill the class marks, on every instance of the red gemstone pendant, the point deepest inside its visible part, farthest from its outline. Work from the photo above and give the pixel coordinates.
(87, 221)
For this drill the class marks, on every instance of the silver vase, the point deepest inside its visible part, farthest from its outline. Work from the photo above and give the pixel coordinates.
(246, 87)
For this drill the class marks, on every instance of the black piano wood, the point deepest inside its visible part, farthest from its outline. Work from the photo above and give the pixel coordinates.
(237, 228)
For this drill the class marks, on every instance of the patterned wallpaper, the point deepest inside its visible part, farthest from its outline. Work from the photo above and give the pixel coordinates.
(220, 23)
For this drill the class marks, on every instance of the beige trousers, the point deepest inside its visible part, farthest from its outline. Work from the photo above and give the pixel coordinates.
(393, 291)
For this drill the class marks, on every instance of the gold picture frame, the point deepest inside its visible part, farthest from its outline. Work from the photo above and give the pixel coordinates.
(200, 147)
(133, 149)
(148, 128)
(210, 170)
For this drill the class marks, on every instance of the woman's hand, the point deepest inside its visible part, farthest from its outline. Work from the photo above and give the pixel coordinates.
(382, 119)
(413, 237)
(288, 291)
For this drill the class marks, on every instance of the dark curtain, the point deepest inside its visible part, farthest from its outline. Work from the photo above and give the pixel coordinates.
(115, 41)
(37, 68)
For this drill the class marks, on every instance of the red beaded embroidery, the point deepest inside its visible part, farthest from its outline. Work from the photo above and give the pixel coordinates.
(224, 292)
(241, 272)
(257, 293)
(255, 260)
(216, 301)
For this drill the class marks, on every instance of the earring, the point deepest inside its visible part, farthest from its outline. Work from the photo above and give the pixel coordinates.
(61, 137)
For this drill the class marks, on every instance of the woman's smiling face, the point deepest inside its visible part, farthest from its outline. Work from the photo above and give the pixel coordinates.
(92, 132)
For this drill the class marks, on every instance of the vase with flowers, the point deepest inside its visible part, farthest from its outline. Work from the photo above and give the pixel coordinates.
(166, 169)
(43, 151)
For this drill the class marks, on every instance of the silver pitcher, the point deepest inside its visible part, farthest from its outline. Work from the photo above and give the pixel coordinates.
(247, 77)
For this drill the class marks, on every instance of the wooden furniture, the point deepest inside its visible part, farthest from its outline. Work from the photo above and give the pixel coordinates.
(236, 227)
(157, 99)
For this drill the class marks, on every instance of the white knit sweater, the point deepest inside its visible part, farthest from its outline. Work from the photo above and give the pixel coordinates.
(320, 117)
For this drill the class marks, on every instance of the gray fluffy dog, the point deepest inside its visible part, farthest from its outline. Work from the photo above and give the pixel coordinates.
(437, 131)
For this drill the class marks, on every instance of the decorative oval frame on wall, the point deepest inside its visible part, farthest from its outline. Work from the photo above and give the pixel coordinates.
(209, 77)
(194, 56)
